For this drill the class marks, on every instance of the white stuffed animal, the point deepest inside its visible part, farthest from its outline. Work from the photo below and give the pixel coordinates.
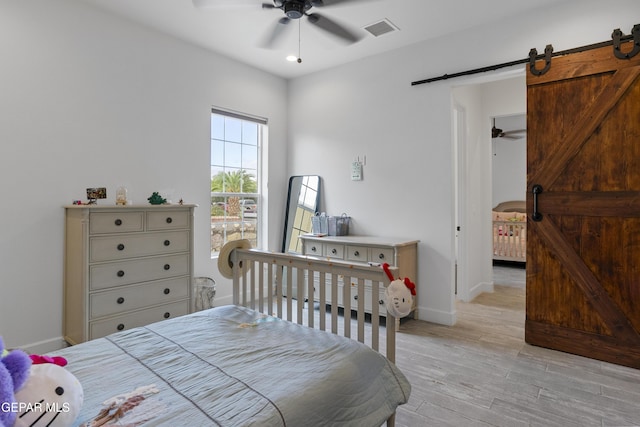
(51, 396)
(398, 295)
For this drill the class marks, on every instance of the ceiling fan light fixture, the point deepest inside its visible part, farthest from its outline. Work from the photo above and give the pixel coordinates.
(292, 58)
(294, 10)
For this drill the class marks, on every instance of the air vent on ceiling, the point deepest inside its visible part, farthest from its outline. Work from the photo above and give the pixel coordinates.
(381, 27)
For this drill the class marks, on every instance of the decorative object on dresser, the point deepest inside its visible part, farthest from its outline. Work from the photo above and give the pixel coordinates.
(156, 199)
(93, 194)
(125, 266)
(400, 253)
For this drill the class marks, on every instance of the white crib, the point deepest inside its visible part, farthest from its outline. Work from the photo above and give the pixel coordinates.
(510, 231)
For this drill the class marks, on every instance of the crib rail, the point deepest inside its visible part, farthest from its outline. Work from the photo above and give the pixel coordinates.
(259, 278)
(509, 240)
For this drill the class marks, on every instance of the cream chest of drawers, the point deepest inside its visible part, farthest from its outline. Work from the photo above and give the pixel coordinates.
(399, 253)
(125, 267)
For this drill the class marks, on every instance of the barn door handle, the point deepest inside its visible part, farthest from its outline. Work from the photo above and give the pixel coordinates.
(537, 216)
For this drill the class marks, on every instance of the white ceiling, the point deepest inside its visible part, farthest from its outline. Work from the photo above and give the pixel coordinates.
(237, 27)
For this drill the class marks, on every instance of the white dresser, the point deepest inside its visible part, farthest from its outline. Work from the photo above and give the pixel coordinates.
(400, 253)
(125, 266)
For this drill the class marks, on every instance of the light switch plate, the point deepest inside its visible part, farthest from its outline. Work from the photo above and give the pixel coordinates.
(356, 171)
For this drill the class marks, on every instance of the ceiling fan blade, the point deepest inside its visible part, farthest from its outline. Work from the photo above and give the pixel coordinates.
(273, 37)
(223, 4)
(333, 27)
(322, 3)
(514, 134)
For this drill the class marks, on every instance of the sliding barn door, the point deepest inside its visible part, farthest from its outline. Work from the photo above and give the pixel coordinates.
(583, 242)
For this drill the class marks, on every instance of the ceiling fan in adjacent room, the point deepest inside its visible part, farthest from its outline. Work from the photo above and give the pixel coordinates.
(293, 10)
(511, 134)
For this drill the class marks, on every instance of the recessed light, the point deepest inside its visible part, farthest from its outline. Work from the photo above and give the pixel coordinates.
(292, 58)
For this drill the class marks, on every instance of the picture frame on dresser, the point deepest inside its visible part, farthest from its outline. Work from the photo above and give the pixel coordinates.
(125, 266)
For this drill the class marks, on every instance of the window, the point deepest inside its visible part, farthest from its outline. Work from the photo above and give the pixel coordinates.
(236, 145)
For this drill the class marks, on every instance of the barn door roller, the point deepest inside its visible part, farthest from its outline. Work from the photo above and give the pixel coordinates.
(533, 54)
(618, 35)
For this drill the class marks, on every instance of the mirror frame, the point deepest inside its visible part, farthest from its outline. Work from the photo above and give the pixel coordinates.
(295, 185)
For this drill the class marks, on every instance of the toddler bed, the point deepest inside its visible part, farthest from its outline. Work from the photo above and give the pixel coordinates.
(237, 366)
(510, 231)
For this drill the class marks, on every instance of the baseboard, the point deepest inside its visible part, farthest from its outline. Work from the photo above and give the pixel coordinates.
(45, 347)
(437, 316)
(480, 288)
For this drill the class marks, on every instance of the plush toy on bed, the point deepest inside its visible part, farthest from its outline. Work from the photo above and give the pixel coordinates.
(14, 371)
(399, 294)
(51, 396)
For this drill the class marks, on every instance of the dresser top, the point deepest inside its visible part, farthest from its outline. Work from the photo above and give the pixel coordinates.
(361, 240)
(121, 207)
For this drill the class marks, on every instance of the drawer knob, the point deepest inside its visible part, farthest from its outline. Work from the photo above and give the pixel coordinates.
(381, 256)
(167, 266)
(313, 249)
(120, 273)
(167, 315)
(118, 222)
(355, 297)
(169, 220)
(120, 247)
(356, 253)
(334, 251)
(167, 242)
(381, 302)
(167, 291)
(120, 300)
(120, 326)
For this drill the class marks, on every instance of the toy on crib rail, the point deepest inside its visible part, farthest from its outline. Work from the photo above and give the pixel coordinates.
(51, 396)
(399, 294)
(14, 371)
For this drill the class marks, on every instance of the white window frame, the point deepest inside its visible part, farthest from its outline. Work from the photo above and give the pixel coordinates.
(230, 224)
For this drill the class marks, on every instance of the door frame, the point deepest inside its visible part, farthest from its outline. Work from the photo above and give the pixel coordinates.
(468, 285)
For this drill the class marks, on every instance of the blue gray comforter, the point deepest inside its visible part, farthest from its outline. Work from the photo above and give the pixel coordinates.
(231, 366)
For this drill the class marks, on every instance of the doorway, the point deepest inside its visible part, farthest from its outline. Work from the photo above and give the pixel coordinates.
(503, 96)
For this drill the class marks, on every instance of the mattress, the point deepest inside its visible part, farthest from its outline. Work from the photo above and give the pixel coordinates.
(231, 366)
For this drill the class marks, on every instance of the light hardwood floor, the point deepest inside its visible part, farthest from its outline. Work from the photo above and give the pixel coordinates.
(480, 372)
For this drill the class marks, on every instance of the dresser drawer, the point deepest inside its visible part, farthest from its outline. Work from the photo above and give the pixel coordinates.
(357, 254)
(128, 298)
(105, 327)
(102, 276)
(167, 220)
(333, 250)
(313, 248)
(115, 222)
(109, 248)
(382, 255)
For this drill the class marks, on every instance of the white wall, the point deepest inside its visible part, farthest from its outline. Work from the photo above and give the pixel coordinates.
(509, 169)
(87, 99)
(369, 108)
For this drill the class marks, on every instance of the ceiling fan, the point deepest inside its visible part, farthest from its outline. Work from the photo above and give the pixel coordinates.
(512, 134)
(293, 10)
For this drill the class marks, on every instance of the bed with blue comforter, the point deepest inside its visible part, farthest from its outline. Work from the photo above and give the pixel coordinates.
(231, 366)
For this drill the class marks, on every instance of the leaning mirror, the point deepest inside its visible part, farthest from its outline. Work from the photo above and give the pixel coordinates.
(303, 200)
